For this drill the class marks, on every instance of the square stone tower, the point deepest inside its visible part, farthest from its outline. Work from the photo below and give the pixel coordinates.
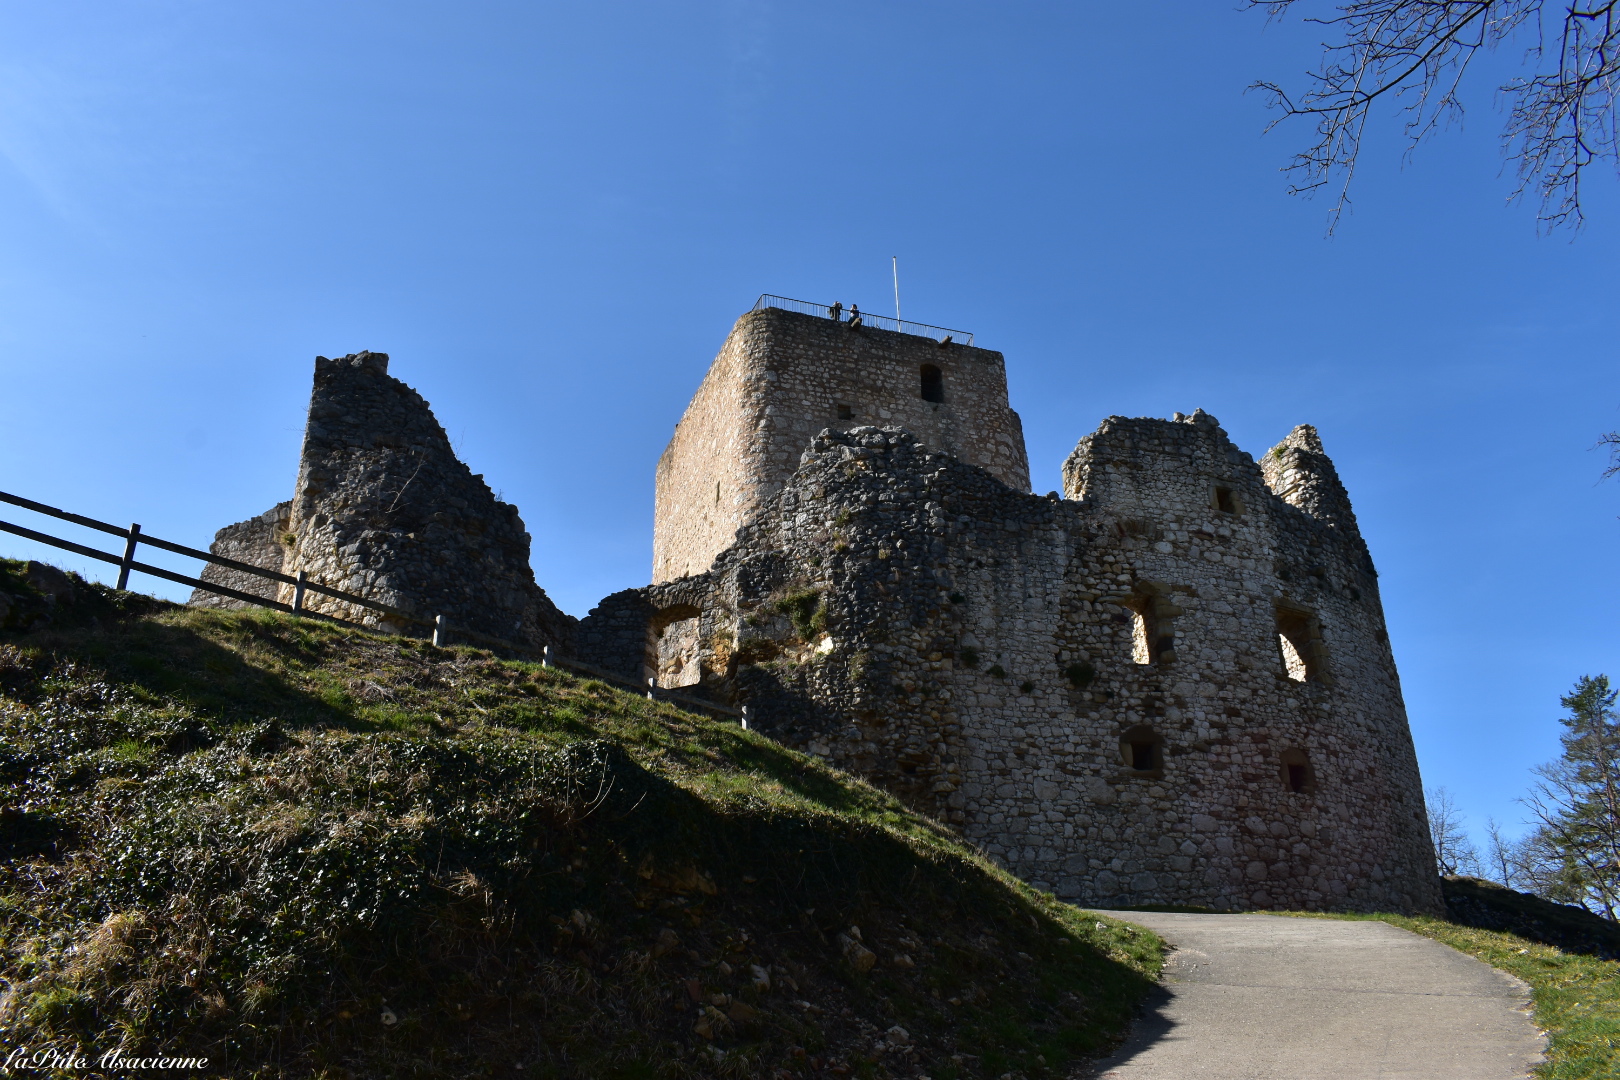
(783, 376)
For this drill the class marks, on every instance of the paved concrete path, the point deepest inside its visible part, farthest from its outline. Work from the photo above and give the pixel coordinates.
(1265, 997)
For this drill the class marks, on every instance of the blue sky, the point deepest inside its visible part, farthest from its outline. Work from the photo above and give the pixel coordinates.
(550, 215)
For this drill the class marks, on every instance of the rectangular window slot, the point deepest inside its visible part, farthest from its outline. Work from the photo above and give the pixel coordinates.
(1142, 757)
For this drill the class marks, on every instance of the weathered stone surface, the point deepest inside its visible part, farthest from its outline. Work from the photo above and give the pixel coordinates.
(1171, 686)
(259, 541)
(781, 377)
(383, 509)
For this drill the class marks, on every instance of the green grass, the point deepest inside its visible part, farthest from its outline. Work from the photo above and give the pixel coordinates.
(252, 837)
(1576, 997)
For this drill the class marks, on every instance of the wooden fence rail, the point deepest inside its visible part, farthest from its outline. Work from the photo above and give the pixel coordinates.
(439, 626)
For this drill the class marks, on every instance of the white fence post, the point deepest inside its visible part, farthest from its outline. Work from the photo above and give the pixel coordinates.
(298, 594)
(745, 717)
(438, 631)
(652, 684)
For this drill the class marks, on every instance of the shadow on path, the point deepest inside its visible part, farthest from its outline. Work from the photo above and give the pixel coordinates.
(1265, 997)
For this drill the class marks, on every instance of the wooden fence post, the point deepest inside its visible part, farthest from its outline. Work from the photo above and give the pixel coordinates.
(298, 595)
(129, 556)
(438, 631)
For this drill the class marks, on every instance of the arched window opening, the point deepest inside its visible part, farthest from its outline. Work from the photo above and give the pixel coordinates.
(673, 647)
(1297, 775)
(933, 383)
(1299, 644)
(1142, 751)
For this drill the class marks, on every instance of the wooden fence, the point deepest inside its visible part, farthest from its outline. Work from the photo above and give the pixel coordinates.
(440, 628)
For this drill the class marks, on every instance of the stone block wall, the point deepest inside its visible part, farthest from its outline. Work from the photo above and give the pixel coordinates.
(383, 509)
(781, 377)
(1171, 686)
(258, 541)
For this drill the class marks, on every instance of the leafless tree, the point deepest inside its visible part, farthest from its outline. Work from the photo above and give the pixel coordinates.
(1453, 851)
(1611, 439)
(1562, 110)
(1503, 856)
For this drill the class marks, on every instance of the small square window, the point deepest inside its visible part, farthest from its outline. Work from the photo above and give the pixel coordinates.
(1225, 502)
(1142, 757)
(845, 412)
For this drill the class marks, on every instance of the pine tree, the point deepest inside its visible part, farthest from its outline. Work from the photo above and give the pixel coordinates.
(1576, 847)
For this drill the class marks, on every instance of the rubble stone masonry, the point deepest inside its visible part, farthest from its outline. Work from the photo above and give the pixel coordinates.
(259, 541)
(382, 508)
(1173, 685)
(781, 377)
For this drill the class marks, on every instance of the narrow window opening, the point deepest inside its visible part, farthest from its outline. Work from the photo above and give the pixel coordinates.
(1299, 645)
(1142, 751)
(1297, 775)
(1153, 636)
(1224, 501)
(1142, 757)
(1143, 637)
(845, 412)
(1293, 663)
(933, 383)
(717, 493)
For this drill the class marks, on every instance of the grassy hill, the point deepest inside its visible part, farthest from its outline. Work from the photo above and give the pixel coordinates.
(299, 850)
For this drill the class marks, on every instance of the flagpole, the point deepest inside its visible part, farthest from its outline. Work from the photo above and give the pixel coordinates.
(896, 263)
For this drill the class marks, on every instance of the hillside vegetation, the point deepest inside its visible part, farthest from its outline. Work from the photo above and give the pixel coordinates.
(300, 850)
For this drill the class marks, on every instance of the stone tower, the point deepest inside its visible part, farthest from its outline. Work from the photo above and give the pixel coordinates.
(1170, 685)
(783, 376)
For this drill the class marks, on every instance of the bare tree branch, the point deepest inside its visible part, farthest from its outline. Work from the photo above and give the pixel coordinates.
(1562, 117)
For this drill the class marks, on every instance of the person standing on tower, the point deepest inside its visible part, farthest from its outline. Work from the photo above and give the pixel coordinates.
(837, 311)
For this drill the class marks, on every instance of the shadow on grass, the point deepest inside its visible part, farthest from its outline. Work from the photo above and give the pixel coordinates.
(173, 661)
(1489, 906)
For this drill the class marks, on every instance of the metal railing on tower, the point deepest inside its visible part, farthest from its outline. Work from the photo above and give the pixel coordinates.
(882, 322)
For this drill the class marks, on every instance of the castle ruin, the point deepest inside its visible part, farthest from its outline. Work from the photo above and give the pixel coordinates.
(383, 509)
(1169, 685)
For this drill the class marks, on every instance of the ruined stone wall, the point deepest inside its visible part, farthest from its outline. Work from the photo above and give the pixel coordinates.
(383, 509)
(258, 541)
(1172, 686)
(781, 377)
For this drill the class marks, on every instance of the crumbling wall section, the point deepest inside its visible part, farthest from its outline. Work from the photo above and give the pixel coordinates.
(259, 541)
(1098, 689)
(384, 509)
